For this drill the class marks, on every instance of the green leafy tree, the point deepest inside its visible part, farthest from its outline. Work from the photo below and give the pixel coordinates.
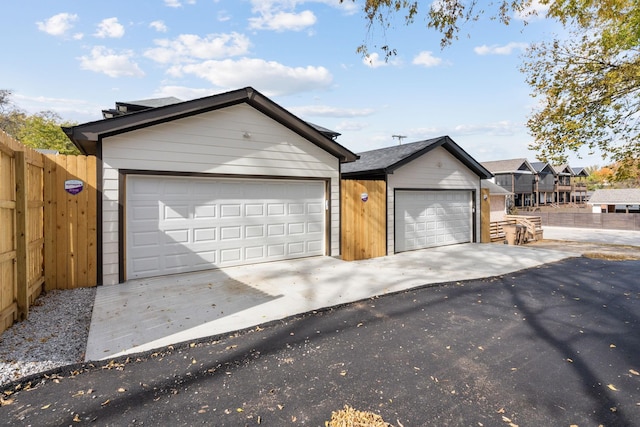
(41, 130)
(589, 88)
(587, 83)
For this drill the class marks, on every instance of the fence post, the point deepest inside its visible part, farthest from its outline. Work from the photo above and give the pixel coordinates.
(21, 236)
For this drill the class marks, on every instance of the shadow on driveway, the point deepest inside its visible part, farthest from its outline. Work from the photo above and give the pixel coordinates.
(553, 345)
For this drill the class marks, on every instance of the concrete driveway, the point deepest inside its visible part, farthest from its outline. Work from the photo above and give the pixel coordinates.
(141, 315)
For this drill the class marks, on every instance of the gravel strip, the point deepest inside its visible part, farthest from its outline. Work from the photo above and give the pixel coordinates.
(54, 335)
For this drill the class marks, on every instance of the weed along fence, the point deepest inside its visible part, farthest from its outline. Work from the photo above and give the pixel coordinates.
(47, 226)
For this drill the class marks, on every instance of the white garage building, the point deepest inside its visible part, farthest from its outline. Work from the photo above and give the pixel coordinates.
(225, 180)
(432, 192)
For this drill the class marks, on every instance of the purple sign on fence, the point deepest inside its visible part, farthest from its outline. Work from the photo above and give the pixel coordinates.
(73, 186)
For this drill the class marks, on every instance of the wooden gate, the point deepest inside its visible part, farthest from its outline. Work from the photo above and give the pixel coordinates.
(363, 219)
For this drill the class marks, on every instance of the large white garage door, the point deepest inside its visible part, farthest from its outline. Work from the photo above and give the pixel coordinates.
(425, 219)
(177, 225)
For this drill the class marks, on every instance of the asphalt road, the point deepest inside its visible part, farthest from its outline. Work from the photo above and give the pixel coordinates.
(554, 345)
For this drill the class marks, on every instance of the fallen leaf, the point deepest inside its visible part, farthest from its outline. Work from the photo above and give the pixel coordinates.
(106, 402)
(121, 390)
(239, 410)
(570, 360)
(5, 402)
(634, 372)
(46, 406)
(612, 346)
(343, 373)
(612, 387)
(501, 411)
(76, 418)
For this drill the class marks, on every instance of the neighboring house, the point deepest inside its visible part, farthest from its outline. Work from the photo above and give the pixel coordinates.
(499, 200)
(625, 200)
(563, 189)
(545, 184)
(224, 180)
(432, 192)
(579, 185)
(516, 176)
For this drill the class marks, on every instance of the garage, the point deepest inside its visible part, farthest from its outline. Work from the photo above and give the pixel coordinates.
(431, 191)
(180, 224)
(432, 218)
(226, 180)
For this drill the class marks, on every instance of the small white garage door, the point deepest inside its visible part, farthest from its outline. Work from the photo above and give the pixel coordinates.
(426, 219)
(178, 224)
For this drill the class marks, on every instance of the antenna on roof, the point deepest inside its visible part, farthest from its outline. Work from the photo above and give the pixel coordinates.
(400, 137)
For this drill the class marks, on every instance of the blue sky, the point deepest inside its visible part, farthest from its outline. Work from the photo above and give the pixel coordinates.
(79, 57)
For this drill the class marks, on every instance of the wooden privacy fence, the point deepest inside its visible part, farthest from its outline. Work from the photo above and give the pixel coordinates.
(363, 219)
(47, 235)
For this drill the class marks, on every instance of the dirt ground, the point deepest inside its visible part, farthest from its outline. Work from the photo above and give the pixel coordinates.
(591, 250)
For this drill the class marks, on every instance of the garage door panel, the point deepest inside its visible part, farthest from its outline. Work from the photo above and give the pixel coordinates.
(432, 218)
(177, 224)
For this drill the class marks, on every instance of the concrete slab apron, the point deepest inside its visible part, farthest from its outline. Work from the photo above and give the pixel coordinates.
(145, 314)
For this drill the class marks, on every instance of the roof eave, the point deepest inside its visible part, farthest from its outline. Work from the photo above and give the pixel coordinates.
(86, 136)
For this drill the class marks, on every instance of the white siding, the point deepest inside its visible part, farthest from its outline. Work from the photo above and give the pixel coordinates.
(436, 170)
(237, 140)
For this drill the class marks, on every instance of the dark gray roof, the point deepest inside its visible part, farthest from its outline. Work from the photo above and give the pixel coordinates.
(541, 166)
(623, 196)
(509, 165)
(153, 103)
(129, 107)
(580, 171)
(87, 136)
(386, 160)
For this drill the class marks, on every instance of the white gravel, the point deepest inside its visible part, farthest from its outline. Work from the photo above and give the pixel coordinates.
(54, 335)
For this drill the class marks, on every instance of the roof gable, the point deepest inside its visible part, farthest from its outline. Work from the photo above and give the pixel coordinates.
(386, 160)
(509, 166)
(87, 136)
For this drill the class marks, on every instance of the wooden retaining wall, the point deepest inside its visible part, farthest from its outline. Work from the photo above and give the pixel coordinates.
(47, 235)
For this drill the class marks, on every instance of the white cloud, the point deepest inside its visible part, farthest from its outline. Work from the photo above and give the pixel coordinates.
(501, 128)
(159, 26)
(189, 47)
(177, 3)
(500, 50)
(350, 126)
(283, 21)
(58, 24)
(427, 59)
(269, 77)
(109, 28)
(64, 106)
(103, 60)
(223, 16)
(535, 10)
(373, 61)
(327, 111)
